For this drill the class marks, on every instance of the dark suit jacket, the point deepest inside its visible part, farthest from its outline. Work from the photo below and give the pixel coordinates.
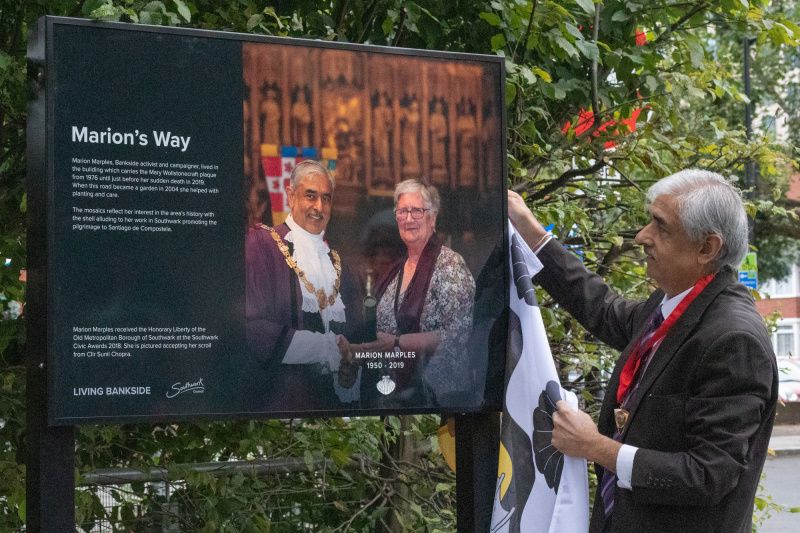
(708, 401)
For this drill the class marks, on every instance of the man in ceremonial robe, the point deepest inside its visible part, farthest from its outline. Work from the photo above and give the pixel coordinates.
(297, 304)
(686, 419)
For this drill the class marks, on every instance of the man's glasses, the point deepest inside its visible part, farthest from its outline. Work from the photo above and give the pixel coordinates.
(416, 213)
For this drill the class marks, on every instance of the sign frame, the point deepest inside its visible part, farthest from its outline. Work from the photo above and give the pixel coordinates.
(42, 199)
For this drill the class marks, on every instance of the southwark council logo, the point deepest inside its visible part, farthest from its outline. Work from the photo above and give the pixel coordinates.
(196, 387)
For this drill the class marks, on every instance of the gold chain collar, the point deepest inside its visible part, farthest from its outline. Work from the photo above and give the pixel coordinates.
(323, 299)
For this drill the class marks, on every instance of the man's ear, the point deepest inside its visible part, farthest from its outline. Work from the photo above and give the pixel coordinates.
(709, 251)
(290, 195)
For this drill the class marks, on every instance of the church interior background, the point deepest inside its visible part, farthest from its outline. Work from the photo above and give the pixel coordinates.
(377, 119)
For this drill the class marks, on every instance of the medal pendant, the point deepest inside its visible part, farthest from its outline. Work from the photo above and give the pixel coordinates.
(621, 418)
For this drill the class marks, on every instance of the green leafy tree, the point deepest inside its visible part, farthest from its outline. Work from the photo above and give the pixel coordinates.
(14, 20)
(603, 98)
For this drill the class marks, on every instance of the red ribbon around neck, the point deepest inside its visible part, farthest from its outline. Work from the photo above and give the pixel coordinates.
(643, 347)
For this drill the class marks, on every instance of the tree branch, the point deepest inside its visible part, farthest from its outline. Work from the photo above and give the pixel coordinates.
(681, 21)
(400, 26)
(595, 85)
(613, 253)
(565, 178)
(626, 179)
(366, 20)
(342, 10)
(346, 525)
(527, 33)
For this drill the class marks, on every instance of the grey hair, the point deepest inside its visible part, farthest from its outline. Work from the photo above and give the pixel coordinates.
(428, 192)
(708, 204)
(308, 167)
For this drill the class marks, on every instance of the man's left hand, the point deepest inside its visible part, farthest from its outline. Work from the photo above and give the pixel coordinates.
(384, 342)
(575, 434)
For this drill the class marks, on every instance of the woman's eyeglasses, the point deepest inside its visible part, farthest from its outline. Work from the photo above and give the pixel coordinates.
(416, 213)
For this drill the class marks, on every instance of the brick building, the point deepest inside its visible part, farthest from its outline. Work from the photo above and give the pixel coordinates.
(784, 296)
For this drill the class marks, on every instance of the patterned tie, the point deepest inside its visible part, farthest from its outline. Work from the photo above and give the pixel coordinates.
(608, 482)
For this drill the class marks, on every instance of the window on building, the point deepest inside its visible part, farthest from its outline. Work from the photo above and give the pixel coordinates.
(783, 288)
(784, 341)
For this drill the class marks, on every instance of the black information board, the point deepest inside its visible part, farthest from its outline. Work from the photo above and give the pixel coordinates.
(161, 190)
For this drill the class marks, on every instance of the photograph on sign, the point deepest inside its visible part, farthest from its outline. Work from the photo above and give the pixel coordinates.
(249, 227)
(411, 160)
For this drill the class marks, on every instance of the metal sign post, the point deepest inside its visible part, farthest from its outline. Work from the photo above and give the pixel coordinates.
(50, 451)
(477, 447)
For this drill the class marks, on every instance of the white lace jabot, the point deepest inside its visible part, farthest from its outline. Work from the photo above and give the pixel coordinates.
(311, 253)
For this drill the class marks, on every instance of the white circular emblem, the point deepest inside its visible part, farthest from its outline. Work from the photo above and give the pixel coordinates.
(386, 385)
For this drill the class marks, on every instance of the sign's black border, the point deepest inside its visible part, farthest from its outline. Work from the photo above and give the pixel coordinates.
(40, 198)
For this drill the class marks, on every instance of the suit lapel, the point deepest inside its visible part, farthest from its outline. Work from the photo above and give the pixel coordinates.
(677, 335)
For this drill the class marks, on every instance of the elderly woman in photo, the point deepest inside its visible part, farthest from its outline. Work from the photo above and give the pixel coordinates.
(425, 302)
